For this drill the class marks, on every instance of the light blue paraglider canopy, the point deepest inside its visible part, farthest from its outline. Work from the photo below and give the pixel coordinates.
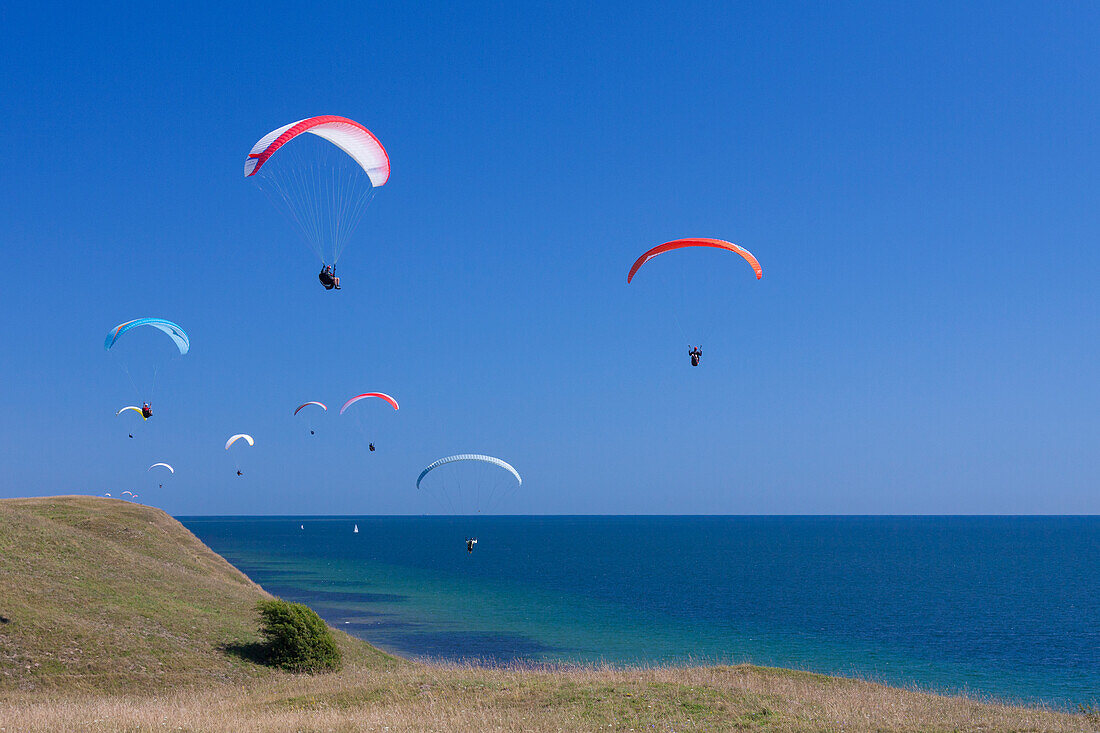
(177, 334)
(469, 457)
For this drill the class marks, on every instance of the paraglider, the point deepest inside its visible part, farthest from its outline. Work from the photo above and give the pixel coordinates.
(322, 181)
(362, 418)
(233, 439)
(143, 357)
(470, 483)
(139, 410)
(693, 292)
(165, 465)
(311, 414)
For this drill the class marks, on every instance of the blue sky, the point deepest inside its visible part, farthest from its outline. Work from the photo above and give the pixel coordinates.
(919, 183)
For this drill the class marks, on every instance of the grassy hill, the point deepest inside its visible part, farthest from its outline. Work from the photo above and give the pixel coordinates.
(110, 595)
(114, 617)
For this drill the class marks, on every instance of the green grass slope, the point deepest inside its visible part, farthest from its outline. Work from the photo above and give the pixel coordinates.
(108, 595)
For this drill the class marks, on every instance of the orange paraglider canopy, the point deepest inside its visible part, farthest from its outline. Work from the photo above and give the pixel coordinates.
(681, 243)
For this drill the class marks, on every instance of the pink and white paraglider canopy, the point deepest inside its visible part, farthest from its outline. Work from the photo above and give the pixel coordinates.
(348, 135)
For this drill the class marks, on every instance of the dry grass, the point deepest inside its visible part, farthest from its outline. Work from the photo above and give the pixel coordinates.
(415, 697)
(120, 619)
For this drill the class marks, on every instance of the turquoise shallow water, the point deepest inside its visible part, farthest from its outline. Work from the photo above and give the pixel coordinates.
(1003, 606)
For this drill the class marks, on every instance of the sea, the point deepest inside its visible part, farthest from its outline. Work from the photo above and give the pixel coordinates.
(1000, 607)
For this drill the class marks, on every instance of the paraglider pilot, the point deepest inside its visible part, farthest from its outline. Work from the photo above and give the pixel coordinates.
(695, 354)
(146, 411)
(239, 472)
(371, 446)
(328, 278)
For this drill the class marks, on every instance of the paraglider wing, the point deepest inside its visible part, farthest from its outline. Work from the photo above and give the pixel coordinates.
(240, 436)
(379, 395)
(348, 135)
(468, 457)
(170, 469)
(134, 408)
(681, 243)
(177, 334)
(306, 404)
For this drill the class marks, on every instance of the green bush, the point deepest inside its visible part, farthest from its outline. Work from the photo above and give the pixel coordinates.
(297, 639)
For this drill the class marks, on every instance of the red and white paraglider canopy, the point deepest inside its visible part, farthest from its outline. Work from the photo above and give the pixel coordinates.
(348, 135)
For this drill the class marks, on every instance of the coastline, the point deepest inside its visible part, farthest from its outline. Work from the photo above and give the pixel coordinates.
(120, 619)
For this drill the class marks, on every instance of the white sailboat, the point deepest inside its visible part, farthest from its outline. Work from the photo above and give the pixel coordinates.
(356, 530)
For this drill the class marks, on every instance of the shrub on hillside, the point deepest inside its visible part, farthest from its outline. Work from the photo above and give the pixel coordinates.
(297, 639)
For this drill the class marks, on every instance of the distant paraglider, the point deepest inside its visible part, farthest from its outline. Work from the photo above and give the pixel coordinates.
(323, 187)
(233, 439)
(468, 484)
(136, 409)
(695, 353)
(164, 465)
(312, 419)
(361, 418)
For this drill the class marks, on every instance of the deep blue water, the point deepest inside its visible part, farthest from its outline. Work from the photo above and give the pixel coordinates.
(1006, 606)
